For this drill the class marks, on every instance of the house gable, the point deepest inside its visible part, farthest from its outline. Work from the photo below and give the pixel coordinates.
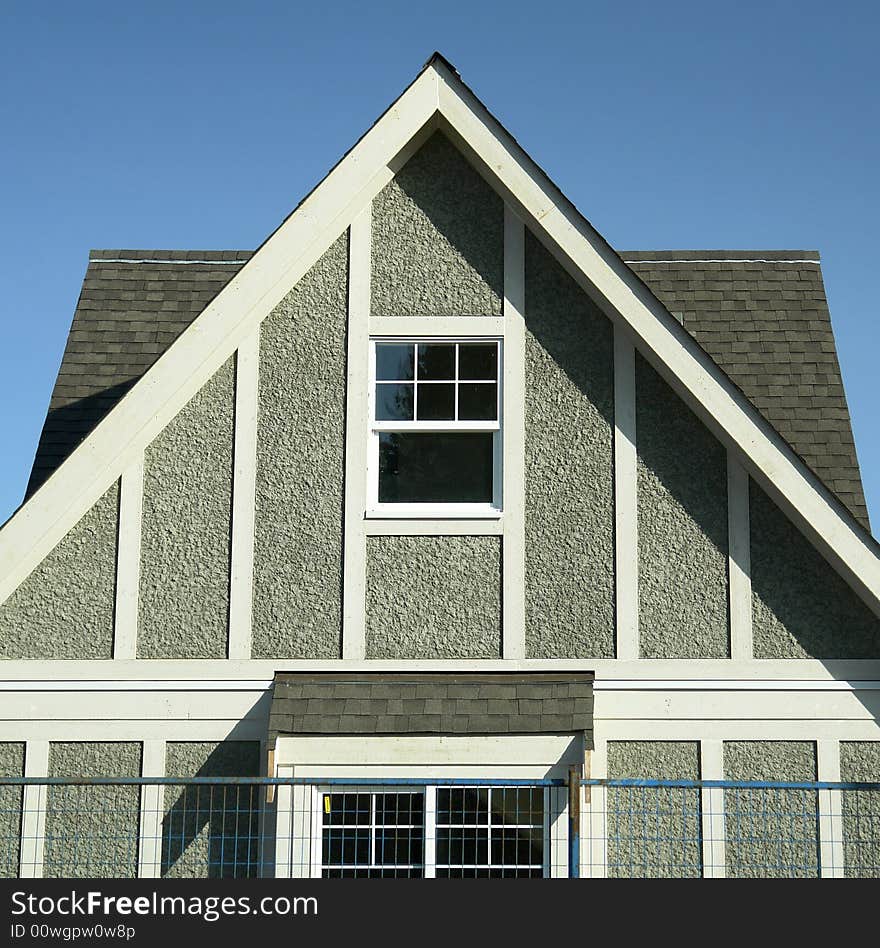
(571, 424)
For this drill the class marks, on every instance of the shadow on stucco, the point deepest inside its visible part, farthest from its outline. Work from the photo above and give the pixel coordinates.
(213, 831)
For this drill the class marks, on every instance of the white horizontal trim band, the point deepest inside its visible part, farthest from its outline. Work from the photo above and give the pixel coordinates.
(612, 684)
(227, 684)
(718, 260)
(210, 263)
(261, 684)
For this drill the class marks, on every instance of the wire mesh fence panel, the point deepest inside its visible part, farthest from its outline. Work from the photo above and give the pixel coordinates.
(454, 828)
(861, 833)
(654, 832)
(91, 832)
(771, 832)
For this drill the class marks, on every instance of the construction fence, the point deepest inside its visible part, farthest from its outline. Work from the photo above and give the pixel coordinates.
(403, 828)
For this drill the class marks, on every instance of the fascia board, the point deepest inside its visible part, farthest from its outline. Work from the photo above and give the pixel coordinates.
(215, 334)
(705, 388)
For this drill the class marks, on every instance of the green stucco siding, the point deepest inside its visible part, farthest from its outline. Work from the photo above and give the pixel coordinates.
(300, 452)
(433, 597)
(212, 831)
(64, 609)
(654, 832)
(187, 511)
(569, 476)
(801, 608)
(860, 763)
(11, 765)
(438, 239)
(770, 833)
(92, 832)
(682, 517)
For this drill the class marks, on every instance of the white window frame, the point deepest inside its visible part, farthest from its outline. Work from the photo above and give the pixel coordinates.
(429, 838)
(375, 509)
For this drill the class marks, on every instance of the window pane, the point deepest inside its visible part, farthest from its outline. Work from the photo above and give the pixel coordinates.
(518, 805)
(462, 846)
(478, 361)
(436, 402)
(435, 468)
(394, 402)
(394, 361)
(462, 805)
(476, 402)
(346, 845)
(436, 361)
(518, 846)
(344, 809)
(399, 808)
(399, 846)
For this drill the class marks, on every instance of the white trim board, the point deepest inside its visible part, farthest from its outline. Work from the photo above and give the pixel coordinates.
(641, 670)
(437, 98)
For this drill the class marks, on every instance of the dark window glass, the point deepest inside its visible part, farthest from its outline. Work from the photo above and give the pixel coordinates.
(462, 805)
(520, 805)
(436, 362)
(394, 361)
(478, 361)
(394, 402)
(476, 401)
(399, 846)
(512, 846)
(463, 845)
(399, 808)
(344, 809)
(346, 845)
(417, 467)
(436, 402)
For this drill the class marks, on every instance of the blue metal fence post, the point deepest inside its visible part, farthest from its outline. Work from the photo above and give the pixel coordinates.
(574, 822)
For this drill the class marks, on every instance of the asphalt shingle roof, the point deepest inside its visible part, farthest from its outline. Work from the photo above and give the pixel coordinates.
(761, 315)
(418, 703)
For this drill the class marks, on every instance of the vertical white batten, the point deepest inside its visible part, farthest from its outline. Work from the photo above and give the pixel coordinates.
(831, 855)
(357, 367)
(513, 621)
(712, 808)
(152, 807)
(241, 584)
(626, 528)
(594, 818)
(739, 561)
(33, 811)
(128, 560)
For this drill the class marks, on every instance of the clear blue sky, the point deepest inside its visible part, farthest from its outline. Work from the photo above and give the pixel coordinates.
(200, 125)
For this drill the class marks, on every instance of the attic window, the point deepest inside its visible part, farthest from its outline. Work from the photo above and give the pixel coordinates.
(435, 427)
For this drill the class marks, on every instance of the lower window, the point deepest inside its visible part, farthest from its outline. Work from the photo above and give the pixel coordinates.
(438, 832)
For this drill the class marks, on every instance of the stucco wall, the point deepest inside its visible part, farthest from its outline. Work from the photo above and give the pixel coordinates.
(211, 832)
(569, 406)
(184, 587)
(64, 609)
(299, 493)
(438, 239)
(801, 608)
(433, 597)
(682, 514)
(860, 763)
(654, 832)
(770, 833)
(92, 832)
(11, 765)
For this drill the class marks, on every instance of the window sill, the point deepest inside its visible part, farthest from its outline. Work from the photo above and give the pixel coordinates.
(433, 512)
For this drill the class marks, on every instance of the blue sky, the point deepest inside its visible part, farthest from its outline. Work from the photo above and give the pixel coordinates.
(200, 125)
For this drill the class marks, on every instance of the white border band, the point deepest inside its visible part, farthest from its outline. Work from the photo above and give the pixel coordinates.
(128, 561)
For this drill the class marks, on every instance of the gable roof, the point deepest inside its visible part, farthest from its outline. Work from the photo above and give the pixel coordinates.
(436, 100)
(761, 315)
